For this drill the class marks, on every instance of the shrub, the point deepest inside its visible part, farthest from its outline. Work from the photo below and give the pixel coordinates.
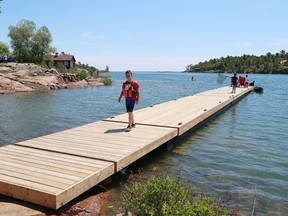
(50, 63)
(203, 205)
(163, 195)
(43, 64)
(106, 80)
(81, 74)
(60, 67)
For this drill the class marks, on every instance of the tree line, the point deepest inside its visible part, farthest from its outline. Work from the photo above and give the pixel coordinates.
(269, 63)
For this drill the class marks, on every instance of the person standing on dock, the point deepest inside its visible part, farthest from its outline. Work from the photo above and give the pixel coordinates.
(130, 90)
(246, 81)
(234, 82)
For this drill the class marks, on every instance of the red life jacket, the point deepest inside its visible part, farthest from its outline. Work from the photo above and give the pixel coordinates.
(129, 91)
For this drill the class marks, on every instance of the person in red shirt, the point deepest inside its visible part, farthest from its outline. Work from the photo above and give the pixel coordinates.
(130, 90)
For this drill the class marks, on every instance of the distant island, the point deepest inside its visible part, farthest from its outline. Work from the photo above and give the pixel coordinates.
(265, 64)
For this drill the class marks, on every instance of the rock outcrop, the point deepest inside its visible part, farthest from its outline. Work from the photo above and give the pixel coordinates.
(16, 77)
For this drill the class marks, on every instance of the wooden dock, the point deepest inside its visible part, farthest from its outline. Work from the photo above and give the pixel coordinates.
(185, 113)
(54, 169)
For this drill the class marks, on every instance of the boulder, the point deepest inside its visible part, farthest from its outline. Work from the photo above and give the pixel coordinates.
(19, 87)
(52, 71)
(21, 73)
(9, 86)
(5, 69)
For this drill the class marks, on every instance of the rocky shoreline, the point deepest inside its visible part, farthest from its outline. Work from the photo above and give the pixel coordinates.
(89, 205)
(28, 77)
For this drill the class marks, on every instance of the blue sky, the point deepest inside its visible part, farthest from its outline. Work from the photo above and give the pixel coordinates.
(152, 35)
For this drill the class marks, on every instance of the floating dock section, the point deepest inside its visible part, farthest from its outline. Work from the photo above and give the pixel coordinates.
(54, 169)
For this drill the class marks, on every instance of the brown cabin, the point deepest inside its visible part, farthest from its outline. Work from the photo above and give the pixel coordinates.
(67, 60)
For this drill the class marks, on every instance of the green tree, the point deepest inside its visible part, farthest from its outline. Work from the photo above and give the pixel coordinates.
(41, 44)
(4, 49)
(21, 36)
(28, 43)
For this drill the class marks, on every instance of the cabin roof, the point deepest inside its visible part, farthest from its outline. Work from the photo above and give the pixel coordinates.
(63, 58)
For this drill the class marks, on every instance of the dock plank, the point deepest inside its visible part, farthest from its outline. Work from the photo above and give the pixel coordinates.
(46, 182)
(114, 133)
(186, 112)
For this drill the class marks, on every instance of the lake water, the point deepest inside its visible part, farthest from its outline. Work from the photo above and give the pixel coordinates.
(241, 153)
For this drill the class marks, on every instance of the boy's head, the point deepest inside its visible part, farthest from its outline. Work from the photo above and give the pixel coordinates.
(128, 74)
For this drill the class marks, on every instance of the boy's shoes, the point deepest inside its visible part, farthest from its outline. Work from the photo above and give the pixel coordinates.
(128, 128)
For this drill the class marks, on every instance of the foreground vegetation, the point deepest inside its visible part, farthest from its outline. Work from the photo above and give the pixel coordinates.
(269, 63)
(162, 195)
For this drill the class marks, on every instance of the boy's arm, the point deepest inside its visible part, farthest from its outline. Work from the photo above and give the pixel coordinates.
(121, 94)
(138, 96)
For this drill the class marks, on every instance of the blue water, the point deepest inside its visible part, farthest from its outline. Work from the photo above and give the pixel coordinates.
(241, 153)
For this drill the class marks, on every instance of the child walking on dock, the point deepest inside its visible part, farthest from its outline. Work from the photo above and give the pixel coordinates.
(130, 90)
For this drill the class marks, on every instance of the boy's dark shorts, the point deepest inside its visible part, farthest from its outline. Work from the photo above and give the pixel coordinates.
(130, 104)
